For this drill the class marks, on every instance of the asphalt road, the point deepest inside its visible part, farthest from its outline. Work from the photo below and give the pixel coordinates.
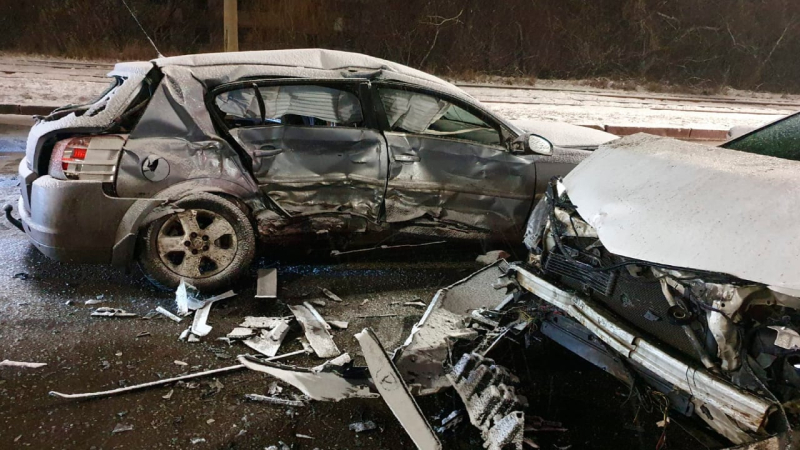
(44, 318)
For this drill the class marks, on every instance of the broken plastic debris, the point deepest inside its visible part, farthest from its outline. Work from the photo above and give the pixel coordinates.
(274, 400)
(268, 342)
(29, 365)
(340, 324)
(111, 312)
(317, 385)
(360, 427)
(316, 330)
(240, 333)
(261, 322)
(120, 428)
(186, 298)
(267, 286)
(419, 304)
(180, 363)
(395, 393)
(333, 297)
(197, 440)
(92, 302)
(168, 395)
(199, 325)
(21, 276)
(320, 303)
(168, 314)
(303, 436)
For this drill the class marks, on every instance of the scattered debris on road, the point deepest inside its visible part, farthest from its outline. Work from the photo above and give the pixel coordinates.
(360, 427)
(112, 312)
(28, 365)
(121, 428)
(267, 285)
(168, 314)
(274, 400)
(316, 330)
(333, 297)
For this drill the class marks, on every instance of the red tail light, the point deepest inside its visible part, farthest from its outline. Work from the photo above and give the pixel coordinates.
(67, 157)
(86, 158)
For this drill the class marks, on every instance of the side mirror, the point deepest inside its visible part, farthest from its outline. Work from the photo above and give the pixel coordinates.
(532, 143)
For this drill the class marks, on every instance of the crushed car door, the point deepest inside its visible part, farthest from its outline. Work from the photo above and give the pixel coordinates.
(314, 147)
(448, 163)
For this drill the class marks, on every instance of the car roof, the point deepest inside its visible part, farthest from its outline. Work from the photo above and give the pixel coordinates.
(218, 68)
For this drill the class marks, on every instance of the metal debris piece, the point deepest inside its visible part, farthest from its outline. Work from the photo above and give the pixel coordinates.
(120, 428)
(274, 400)
(395, 393)
(269, 341)
(169, 380)
(240, 333)
(316, 330)
(334, 364)
(786, 338)
(339, 324)
(168, 314)
(186, 298)
(111, 312)
(492, 257)
(29, 365)
(384, 247)
(373, 316)
(491, 401)
(418, 303)
(420, 358)
(184, 334)
(360, 427)
(143, 334)
(261, 322)
(200, 326)
(274, 388)
(325, 384)
(333, 297)
(267, 286)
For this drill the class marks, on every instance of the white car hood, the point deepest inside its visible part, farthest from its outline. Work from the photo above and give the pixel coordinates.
(564, 134)
(694, 206)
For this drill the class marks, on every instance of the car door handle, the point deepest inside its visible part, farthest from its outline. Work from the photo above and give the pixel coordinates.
(266, 151)
(406, 158)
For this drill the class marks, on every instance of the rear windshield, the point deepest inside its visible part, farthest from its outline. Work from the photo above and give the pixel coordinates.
(780, 139)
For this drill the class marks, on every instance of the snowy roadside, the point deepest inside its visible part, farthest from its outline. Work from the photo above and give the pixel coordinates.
(53, 82)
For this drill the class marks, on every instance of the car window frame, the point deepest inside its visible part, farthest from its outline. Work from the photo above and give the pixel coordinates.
(507, 135)
(359, 86)
(354, 86)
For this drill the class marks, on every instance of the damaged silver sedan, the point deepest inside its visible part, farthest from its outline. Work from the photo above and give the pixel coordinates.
(184, 163)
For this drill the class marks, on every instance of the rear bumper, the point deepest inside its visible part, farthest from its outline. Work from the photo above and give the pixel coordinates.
(70, 220)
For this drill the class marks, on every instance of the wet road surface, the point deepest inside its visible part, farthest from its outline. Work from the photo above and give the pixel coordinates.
(44, 318)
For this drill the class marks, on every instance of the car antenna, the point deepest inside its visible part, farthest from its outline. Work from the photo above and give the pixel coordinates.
(142, 28)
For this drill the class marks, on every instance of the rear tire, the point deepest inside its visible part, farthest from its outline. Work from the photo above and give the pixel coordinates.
(209, 244)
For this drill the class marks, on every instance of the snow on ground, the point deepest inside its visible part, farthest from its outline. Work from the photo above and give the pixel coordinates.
(38, 80)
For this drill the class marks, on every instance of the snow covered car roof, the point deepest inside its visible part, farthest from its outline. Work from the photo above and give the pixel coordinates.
(310, 62)
(694, 206)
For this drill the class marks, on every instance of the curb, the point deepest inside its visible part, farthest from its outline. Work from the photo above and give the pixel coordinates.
(25, 110)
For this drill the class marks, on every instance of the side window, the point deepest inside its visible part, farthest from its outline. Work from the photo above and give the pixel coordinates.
(417, 113)
(300, 105)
